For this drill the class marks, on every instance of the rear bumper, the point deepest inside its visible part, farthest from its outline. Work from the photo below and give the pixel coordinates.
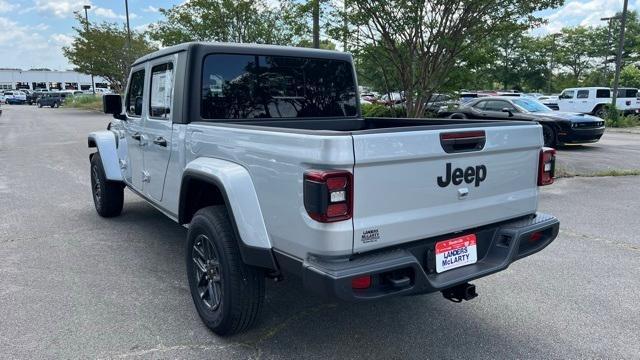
(577, 136)
(499, 245)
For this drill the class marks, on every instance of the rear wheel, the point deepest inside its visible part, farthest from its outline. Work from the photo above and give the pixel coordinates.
(549, 135)
(227, 293)
(458, 116)
(108, 196)
(601, 112)
(39, 104)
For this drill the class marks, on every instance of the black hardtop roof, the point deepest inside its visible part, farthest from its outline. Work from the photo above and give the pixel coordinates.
(254, 49)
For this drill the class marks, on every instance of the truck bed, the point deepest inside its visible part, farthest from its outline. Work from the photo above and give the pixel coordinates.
(402, 176)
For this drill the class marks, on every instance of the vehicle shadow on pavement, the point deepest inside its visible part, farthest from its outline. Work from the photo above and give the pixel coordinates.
(298, 324)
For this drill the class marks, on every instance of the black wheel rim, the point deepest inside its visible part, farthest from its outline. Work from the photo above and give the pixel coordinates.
(207, 272)
(97, 189)
(548, 135)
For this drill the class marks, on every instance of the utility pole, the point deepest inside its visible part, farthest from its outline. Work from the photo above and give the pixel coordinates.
(606, 54)
(346, 28)
(126, 9)
(616, 78)
(316, 23)
(86, 19)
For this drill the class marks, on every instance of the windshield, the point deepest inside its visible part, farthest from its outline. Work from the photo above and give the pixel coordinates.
(531, 105)
(255, 86)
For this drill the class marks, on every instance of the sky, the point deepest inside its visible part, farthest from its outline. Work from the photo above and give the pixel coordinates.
(33, 32)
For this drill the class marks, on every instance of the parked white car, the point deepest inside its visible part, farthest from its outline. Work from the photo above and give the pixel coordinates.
(15, 97)
(596, 100)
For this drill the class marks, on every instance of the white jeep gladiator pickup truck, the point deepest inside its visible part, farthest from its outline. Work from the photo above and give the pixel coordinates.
(262, 152)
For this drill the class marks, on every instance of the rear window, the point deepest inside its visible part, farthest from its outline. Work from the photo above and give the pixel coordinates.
(627, 93)
(583, 94)
(603, 93)
(253, 86)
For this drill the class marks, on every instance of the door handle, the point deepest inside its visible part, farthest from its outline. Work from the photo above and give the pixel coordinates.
(136, 136)
(160, 141)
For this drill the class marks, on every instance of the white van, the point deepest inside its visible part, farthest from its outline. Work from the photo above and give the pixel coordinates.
(596, 100)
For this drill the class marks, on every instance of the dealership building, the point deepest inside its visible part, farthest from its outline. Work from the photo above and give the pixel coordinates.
(50, 80)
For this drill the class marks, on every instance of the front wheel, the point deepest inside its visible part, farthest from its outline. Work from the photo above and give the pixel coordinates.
(548, 135)
(227, 293)
(39, 105)
(108, 196)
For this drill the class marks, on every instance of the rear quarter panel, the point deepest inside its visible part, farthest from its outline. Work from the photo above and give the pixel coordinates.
(277, 161)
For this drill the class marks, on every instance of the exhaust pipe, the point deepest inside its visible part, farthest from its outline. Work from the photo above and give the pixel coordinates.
(460, 292)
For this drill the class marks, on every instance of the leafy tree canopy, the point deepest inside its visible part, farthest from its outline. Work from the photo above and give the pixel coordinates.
(101, 49)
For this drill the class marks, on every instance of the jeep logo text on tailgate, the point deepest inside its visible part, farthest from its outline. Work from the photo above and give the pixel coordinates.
(469, 175)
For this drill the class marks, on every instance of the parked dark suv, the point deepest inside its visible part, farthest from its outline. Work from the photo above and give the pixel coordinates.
(50, 99)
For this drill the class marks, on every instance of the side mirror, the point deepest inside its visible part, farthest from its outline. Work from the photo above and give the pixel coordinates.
(112, 104)
(507, 110)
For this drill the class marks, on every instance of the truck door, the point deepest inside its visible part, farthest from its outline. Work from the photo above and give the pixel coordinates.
(582, 103)
(158, 126)
(566, 100)
(132, 163)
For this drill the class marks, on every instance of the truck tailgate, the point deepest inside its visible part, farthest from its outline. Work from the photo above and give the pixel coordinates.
(401, 192)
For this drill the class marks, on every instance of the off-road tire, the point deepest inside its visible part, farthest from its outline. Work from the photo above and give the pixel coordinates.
(601, 112)
(239, 287)
(549, 136)
(108, 196)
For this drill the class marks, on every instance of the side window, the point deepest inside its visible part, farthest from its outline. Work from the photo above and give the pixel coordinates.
(603, 93)
(567, 94)
(583, 94)
(135, 94)
(498, 105)
(480, 105)
(161, 91)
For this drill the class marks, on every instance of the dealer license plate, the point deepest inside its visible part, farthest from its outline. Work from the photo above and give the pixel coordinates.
(456, 252)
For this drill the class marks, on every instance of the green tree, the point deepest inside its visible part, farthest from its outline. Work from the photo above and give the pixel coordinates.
(101, 49)
(577, 49)
(422, 39)
(630, 76)
(240, 21)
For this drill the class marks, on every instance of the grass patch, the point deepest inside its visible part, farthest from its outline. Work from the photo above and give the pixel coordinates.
(86, 102)
(563, 173)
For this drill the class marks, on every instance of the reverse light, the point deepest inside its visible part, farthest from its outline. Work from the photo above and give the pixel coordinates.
(328, 195)
(546, 166)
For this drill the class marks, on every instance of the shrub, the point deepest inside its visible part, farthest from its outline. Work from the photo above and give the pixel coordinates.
(617, 120)
(377, 110)
(620, 121)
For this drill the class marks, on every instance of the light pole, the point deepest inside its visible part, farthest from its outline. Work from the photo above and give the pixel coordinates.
(606, 54)
(616, 78)
(86, 19)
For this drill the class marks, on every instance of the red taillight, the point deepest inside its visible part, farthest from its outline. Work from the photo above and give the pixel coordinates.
(535, 236)
(546, 166)
(328, 195)
(362, 282)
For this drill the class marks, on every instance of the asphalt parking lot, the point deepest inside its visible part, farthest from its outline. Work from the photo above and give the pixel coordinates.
(74, 285)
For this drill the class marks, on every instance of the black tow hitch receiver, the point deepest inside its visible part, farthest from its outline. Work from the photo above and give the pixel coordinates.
(460, 292)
